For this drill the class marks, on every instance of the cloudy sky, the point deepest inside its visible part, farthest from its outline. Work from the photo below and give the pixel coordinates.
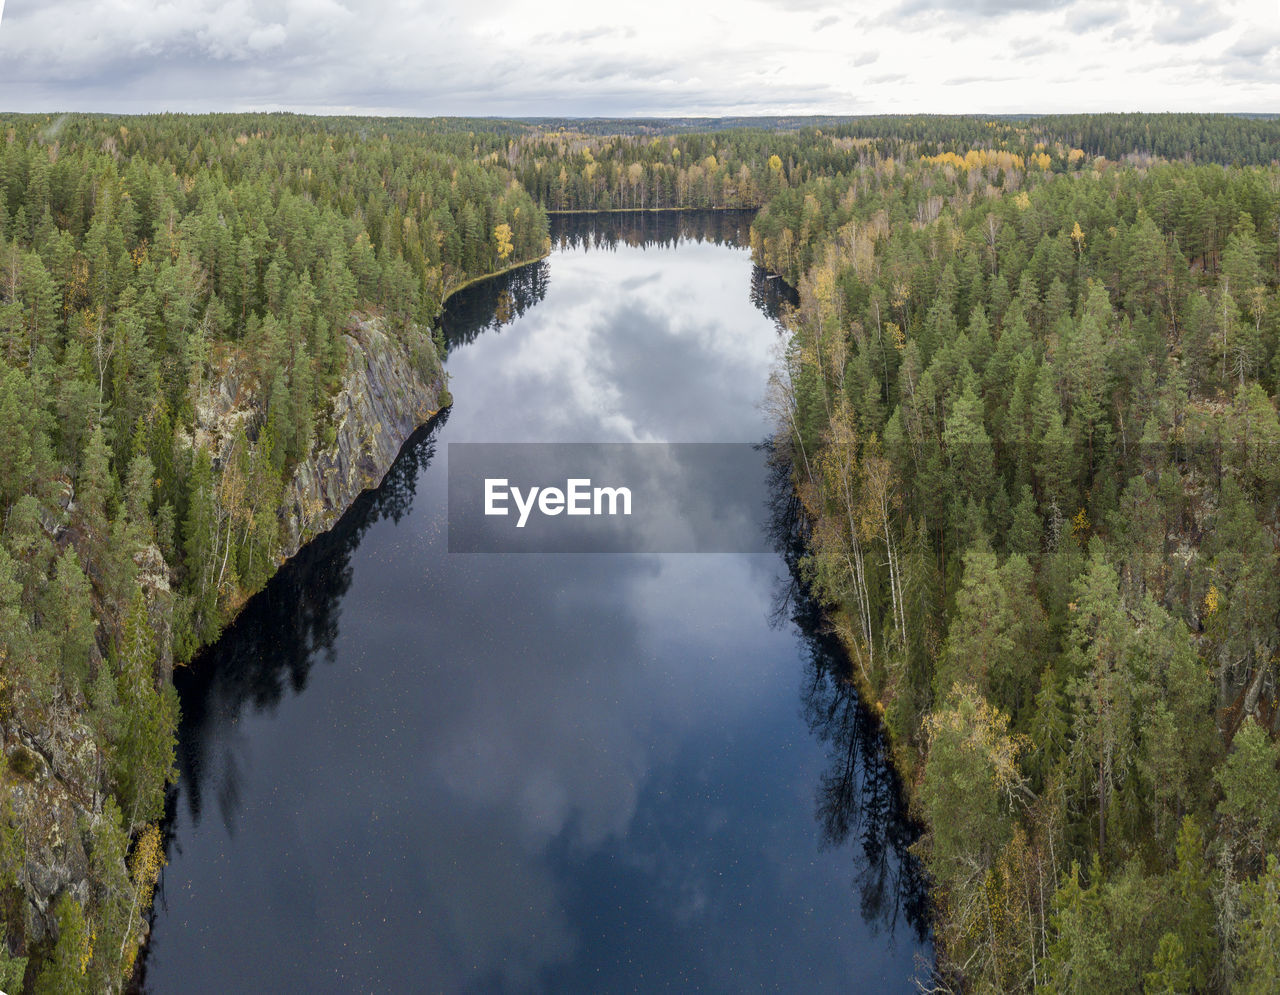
(674, 57)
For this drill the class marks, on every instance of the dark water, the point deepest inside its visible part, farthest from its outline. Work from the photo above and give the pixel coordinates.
(405, 770)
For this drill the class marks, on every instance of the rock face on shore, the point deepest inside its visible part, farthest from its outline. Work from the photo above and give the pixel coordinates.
(394, 383)
(391, 389)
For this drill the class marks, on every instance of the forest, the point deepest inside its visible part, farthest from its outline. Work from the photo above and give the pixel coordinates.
(1030, 400)
(1033, 423)
(142, 260)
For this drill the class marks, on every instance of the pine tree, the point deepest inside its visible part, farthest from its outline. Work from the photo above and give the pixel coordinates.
(66, 970)
(1257, 967)
(144, 763)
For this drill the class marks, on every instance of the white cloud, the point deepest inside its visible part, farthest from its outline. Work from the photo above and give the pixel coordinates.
(572, 57)
(267, 38)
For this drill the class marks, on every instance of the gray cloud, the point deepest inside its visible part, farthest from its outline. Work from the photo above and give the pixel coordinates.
(1026, 48)
(319, 55)
(583, 36)
(446, 57)
(1255, 45)
(967, 80)
(800, 5)
(235, 31)
(977, 8)
(1253, 60)
(1086, 17)
(1189, 23)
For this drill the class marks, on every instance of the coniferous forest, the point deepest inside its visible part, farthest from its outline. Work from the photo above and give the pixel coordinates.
(1031, 396)
(1029, 402)
(147, 264)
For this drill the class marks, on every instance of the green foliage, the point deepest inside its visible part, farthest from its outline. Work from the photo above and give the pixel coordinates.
(70, 625)
(110, 916)
(1031, 395)
(12, 969)
(1191, 951)
(135, 275)
(1079, 421)
(1170, 974)
(66, 972)
(1103, 934)
(970, 782)
(1257, 966)
(144, 750)
(1250, 783)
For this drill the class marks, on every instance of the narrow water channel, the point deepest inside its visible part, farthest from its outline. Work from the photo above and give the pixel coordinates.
(407, 770)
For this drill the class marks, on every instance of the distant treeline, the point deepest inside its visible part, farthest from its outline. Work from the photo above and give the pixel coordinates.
(584, 166)
(1223, 138)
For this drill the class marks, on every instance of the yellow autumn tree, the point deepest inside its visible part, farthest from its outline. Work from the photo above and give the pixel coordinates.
(1080, 527)
(145, 865)
(502, 240)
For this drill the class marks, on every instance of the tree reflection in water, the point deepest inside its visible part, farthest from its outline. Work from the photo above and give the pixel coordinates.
(281, 633)
(270, 649)
(267, 655)
(651, 229)
(859, 794)
(490, 304)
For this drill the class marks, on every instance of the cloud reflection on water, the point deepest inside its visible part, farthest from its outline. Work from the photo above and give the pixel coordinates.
(528, 771)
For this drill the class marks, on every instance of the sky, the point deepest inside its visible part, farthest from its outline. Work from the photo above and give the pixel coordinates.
(656, 58)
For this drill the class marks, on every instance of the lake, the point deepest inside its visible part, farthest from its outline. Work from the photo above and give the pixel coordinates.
(405, 769)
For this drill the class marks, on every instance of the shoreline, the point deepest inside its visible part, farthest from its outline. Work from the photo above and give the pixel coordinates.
(487, 276)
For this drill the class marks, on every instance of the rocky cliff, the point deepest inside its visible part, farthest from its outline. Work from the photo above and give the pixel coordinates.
(393, 384)
(391, 389)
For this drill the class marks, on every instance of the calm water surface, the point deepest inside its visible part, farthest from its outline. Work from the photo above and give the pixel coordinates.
(404, 770)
